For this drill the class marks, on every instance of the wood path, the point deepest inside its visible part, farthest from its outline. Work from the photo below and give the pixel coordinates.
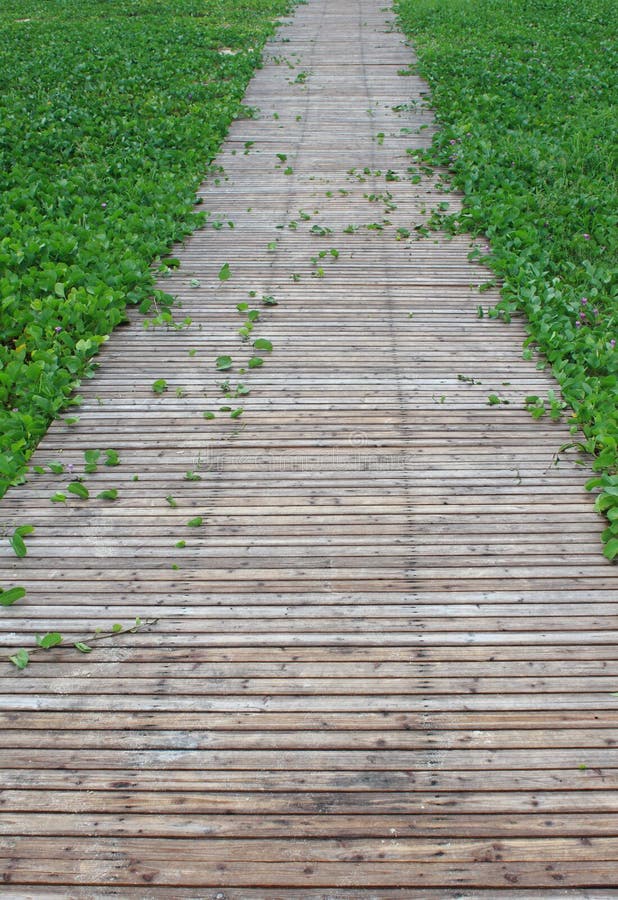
(383, 666)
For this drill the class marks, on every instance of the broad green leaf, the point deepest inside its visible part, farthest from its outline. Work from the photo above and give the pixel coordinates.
(171, 501)
(112, 458)
(51, 639)
(196, 522)
(223, 363)
(11, 596)
(180, 544)
(209, 415)
(18, 545)
(116, 628)
(91, 458)
(83, 648)
(159, 386)
(79, 489)
(611, 549)
(110, 494)
(225, 273)
(58, 497)
(262, 344)
(24, 530)
(20, 659)
(236, 413)
(255, 362)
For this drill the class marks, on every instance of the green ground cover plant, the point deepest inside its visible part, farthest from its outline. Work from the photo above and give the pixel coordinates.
(525, 95)
(110, 114)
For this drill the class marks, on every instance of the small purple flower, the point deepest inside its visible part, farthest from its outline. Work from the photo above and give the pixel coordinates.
(58, 328)
(578, 324)
(586, 236)
(70, 467)
(582, 316)
(595, 311)
(612, 343)
(104, 206)
(584, 301)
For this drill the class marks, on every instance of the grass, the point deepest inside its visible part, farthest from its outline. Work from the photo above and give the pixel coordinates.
(525, 94)
(110, 114)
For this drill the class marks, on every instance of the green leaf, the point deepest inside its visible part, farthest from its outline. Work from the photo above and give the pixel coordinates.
(116, 628)
(611, 549)
(83, 648)
(11, 596)
(223, 363)
(262, 344)
(112, 458)
(20, 659)
(236, 413)
(180, 544)
(51, 639)
(171, 501)
(192, 476)
(58, 497)
(79, 489)
(196, 522)
(225, 272)
(255, 362)
(110, 494)
(18, 545)
(269, 301)
(159, 386)
(604, 502)
(209, 415)
(24, 530)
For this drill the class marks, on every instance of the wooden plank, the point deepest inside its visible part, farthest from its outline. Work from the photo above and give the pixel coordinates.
(340, 827)
(446, 810)
(404, 851)
(194, 872)
(572, 778)
(148, 739)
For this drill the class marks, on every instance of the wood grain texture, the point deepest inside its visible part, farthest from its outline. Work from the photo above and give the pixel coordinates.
(385, 664)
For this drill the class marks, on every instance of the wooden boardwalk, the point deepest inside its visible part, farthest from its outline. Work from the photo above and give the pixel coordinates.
(383, 665)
